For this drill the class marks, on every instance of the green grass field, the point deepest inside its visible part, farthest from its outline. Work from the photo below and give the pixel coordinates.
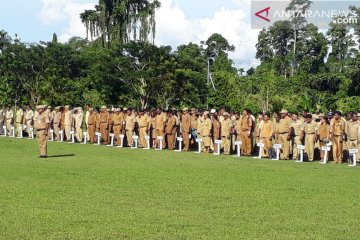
(97, 192)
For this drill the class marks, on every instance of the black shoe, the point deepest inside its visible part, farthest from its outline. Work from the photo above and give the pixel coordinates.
(42, 156)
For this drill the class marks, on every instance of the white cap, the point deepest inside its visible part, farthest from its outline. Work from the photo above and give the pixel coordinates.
(213, 111)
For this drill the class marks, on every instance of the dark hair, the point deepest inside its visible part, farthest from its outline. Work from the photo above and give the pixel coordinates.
(338, 113)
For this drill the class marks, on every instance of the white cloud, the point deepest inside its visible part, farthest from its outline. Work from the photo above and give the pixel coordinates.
(173, 28)
(59, 11)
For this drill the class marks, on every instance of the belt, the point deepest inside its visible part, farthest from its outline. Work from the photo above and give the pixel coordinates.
(90, 124)
(283, 132)
(310, 133)
(244, 129)
(117, 124)
(143, 126)
(207, 136)
(41, 129)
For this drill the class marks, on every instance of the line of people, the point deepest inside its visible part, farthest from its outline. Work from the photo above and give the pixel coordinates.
(288, 129)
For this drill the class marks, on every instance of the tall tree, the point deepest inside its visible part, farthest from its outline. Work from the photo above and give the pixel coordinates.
(121, 20)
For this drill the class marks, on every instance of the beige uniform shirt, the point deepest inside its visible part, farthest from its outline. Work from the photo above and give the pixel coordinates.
(267, 129)
(29, 114)
(226, 128)
(68, 118)
(352, 130)
(9, 115)
(41, 120)
(78, 119)
(310, 128)
(298, 126)
(19, 116)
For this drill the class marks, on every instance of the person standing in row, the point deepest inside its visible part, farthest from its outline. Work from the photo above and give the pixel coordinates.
(353, 133)
(28, 119)
(68, 122)
(170, 130)
(226, 127)
(206, 131)
(41, 124)
(296, 128)
(186, 128)
(91, 123)
(57, 123)
(266, 133)
(2, 120)
(19, 119)
(246, 132)
(9, 118)
(310, 131)
(104, 119)
(284, 134)
(337, 130)
(78, 117)
(216, 130)
(130, 122)
(323, 134)
(117, 124)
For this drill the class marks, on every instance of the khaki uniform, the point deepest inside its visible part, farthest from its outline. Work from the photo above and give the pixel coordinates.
(337, 129)
(117, 123)
(297, 128)
(2, 120)
(237, 126)
(19, 119)
(310, 130)
(9, 121)
(130, 122)
(28, 120)
(78, 126)
(68, 123)
(104, 119)
(352, 131)
(283, 135)
(266, 133)
(143, 122)
(91, 127)
(57, 123)
(246, 125)
(323, 133)
(216, 133)
(41, 122)
(185, 130)
(225, 135)
(206, 132)
(170, 131)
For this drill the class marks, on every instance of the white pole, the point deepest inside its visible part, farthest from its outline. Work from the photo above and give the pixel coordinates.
(98, 138)
(13, 131)
(147, 138)
(121, 141)
(218, 144)
(72, 133)
(135, 138)
(111, 135)
(261, 147)
(238, 146)
(277, 148)
(32, 133)
(199, 141)
(160, 138)
(61, 133)
(5, 131)
(179, 139)
(85, 137)
(301, 153)
(52, 135)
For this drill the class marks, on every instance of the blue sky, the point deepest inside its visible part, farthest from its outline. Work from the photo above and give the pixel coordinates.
(178, 22)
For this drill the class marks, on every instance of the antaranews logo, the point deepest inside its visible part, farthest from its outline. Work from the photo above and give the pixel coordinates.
(264, 11)
(320, 13)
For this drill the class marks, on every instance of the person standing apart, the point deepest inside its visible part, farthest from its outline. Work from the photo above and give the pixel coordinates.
(41, 124)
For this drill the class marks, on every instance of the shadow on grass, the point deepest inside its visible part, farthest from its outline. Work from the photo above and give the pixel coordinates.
(59, 156)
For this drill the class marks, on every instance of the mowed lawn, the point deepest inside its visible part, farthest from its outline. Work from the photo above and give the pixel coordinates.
(98, 192)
